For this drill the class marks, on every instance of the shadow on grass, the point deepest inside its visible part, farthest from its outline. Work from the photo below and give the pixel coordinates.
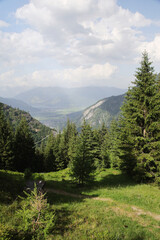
(112, 180)
(108, 181)
(11, 185)
(57, 199)
(63, 220)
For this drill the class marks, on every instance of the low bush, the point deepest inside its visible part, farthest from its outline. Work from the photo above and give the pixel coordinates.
(36, 218)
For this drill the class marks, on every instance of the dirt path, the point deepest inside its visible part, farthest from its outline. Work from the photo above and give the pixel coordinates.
(135, 211)
(61, 192)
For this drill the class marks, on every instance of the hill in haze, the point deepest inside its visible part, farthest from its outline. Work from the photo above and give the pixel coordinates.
(15, 103)
(66, 98)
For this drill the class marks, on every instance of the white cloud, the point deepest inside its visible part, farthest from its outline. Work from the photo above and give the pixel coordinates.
(3, 24)
(81, 30)
(95, 75)
(20, 48)
(6, 78)
(153, 48)
(88, 39)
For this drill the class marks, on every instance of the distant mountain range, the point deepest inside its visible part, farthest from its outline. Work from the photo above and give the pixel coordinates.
(15, 103)
(53, 106)
(102, 111)
(67, 98)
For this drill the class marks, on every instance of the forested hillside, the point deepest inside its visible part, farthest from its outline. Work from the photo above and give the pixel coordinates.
(14, 116)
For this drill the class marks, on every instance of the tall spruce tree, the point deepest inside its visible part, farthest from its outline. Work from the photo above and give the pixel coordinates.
(64, 142)
(6, 143)
(140, 131)
(105, 147)
(113, 149)
(82, 156)
(49, 154)
(24, 147)
(99, 136)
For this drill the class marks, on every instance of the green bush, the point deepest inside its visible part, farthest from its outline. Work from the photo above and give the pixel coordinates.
(36, 218)
(6, 232)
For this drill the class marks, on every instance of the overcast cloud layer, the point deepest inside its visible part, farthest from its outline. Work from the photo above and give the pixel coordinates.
(74, 43)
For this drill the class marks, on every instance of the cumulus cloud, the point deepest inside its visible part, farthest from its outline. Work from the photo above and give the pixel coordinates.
(95, 75)
(19, 48)
(88, 39)
(153, 48)
(87, 31)
(3, 24)
(7, 78)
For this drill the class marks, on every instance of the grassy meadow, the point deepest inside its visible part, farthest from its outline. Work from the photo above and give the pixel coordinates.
(110, 207)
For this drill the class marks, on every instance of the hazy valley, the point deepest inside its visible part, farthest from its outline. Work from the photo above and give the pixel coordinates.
(53, 106)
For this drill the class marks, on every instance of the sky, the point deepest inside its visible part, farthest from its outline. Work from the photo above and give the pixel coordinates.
(76, 43)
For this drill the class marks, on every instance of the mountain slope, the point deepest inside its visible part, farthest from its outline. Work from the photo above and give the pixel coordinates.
(15, 103)
(39, 131)
(101, 112)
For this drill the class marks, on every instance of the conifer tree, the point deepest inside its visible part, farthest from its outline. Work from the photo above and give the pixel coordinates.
(49, 154)
(105, 152)
(99, 136)
(140, 131)
(6, 143)
(113, 140)
(82, 160)
(39, 163)
(64, 141)
(24, 147)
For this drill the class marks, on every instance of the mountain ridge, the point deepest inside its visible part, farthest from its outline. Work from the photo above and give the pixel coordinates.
(15, 103)
(103, 111)
(67, 98)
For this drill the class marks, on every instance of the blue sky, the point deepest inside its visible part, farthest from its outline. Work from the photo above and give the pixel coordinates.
(75, 43)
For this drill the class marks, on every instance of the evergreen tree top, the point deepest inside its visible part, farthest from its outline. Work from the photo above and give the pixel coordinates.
(145, 73)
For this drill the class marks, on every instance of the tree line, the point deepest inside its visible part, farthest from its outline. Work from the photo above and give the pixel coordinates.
(132, 143)
(87, 149)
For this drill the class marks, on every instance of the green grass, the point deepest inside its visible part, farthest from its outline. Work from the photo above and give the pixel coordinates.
(109, 183)
(89, 219)
(124, 210)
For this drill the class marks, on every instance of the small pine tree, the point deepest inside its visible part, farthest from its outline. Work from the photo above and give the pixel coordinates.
(36, 218)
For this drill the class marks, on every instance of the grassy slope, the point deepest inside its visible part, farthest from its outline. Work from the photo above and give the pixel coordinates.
(123, 210)
(129, 216)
